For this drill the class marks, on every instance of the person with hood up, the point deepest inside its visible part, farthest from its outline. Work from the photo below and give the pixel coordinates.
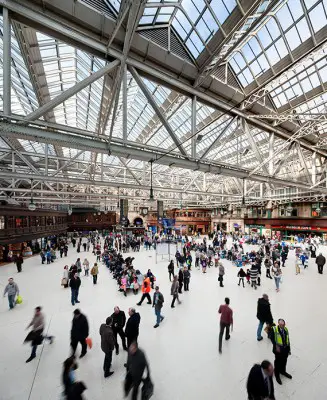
(107, 345)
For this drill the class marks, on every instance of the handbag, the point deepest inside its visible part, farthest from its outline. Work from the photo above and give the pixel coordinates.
(147, 388)
(64, 282)
(89, 342)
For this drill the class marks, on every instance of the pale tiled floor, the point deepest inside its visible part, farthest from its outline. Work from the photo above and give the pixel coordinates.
(183, 352)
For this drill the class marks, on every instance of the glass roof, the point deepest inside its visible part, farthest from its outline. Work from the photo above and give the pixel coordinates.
(195, 21)
(291, 24)
(64, 66)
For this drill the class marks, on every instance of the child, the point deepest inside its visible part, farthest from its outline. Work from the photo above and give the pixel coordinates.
(135, 286)
(248, 276)
(123, 284)
(241, 274)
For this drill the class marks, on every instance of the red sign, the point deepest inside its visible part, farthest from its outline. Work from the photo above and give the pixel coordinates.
(299, 228)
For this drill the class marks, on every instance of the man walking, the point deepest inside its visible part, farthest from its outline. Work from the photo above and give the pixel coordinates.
(158, 301)
(119, 321)
(320, 261)
(146, 288)
(136, 364)
(174, 291)
(35, 336)
(13, 291)
(281, 348)
(226, 320)
(187, 276)
(260, 383)
(107, 345)
(79, 332)
(263, 315)
(132, 326)
(221, 274)
(74, 284)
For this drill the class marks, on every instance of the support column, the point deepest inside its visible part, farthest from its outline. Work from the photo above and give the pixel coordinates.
(46, 160)
(125, 104)
(6, 62)
(193, 127)
(271, 153)
(314, 168)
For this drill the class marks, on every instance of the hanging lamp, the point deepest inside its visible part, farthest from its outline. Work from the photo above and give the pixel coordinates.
(32, 206)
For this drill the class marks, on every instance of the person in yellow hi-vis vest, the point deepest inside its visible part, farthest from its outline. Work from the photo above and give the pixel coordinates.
(281, 348)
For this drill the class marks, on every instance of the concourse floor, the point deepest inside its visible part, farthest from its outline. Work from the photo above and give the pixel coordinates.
(183, 351)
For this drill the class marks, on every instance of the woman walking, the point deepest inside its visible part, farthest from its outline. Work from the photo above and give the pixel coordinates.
(94, 273)
(86, 264)
(277, 273)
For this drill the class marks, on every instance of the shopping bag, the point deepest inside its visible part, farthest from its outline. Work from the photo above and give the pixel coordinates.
(64, 282)
(147, 388)
(89, 342)
(19, 300)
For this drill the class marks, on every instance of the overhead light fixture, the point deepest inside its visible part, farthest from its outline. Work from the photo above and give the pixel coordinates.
(199, 138)
(151, 198)
(118, 202)
(32, 206)
(69, 210)
(318, 209)
(245, 152)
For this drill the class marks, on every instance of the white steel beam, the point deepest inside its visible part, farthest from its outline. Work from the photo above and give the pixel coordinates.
(6, 61)
(135, 151)
(154, 105)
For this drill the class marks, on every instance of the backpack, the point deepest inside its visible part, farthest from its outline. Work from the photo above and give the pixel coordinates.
(93, 271)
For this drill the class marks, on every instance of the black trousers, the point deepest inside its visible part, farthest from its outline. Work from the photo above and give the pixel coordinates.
(145, 296)
(223, 326)
(241, 280)
(95, 279)
(171, 275)
(120, 332)
(107, 362)
(136, 385)
(74, 343)
(131, 339)
(180, 287)
(268, 273)
(320, 269)
(280, 362)
(175, 297)
(186, 283)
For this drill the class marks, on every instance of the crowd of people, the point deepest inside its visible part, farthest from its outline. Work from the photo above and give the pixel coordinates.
(271, 255)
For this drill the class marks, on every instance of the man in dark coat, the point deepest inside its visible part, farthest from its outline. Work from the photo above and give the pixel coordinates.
(260, 383)
(157, 303)
(320, 261)
(263, 314)
(136, 364)
(119, 321)
(132, 326)
(79, 332)
(19, 262)
(74, 285)
(107, 345)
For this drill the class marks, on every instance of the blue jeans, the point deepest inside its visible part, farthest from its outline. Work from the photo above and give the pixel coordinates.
(74, 296)
(277, 281)
(259, 330)
(159, 317)
(11, 300)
